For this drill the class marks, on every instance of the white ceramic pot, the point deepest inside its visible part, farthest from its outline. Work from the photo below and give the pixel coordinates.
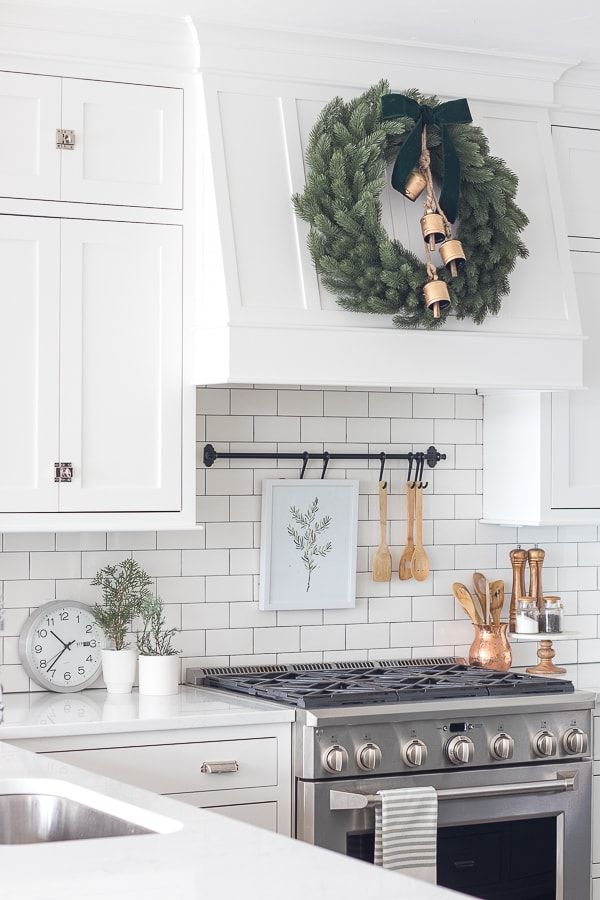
(159, 675)
(118, 670)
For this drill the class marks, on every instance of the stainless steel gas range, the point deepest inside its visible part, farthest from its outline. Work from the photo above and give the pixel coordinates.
(508, 754)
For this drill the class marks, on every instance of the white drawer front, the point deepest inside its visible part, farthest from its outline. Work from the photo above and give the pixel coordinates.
(176, 768)
(263, 815)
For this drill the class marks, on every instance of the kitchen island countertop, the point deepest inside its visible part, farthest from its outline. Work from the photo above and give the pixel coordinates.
(207, 856)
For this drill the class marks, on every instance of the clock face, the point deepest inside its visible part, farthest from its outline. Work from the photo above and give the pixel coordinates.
(60, 646)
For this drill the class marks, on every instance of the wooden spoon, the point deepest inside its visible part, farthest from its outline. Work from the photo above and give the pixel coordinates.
(497, 600)
(420, 560)
(463, 595)
(382, 561)
(405, 567)
(479, 582)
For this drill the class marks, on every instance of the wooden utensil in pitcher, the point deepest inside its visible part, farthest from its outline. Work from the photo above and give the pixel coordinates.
(420, 560)
(405, 567)
(382, 561)
(463, 595)
(479, 583)
(497, 600)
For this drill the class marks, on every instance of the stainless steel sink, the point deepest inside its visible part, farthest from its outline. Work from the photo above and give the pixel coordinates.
(41, 811)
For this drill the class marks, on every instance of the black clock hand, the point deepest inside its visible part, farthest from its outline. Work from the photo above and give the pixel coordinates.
(58, 655)
(58, 639)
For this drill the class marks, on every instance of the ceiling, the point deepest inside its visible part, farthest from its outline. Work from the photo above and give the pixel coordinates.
(563, 29)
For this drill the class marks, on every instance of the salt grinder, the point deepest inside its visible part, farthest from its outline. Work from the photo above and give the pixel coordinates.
(536, 561)
(518, 559)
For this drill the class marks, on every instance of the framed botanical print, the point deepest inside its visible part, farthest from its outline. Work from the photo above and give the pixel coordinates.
(308, 544)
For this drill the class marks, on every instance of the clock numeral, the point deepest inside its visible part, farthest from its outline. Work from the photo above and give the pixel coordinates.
(81, 670)
(50, 621)
(43, 663)
(52, 671)
(67, 676)
(38, 648)
(64, 616)
(88, 658)
(88, 629)
(42, 633)
(91, 643)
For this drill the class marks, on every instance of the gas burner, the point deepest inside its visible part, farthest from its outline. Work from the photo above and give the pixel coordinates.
(355, 684)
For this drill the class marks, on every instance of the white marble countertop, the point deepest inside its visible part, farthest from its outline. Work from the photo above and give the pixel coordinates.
(96, 712)
(207, 855)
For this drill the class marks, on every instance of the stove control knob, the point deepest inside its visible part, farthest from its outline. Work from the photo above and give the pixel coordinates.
(415, 753)
(459, 750)
(368, 757)
(502, 746)
(335, 759)
(575, 742)
(544, 743)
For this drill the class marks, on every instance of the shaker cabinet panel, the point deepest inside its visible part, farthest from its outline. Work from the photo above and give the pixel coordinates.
(578, 158)
(29, 361)
(128, 144)
(120, 351)
(575, 414)
(30, 115)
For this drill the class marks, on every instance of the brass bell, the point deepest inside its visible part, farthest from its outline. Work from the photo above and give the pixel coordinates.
(432, 226)
(436, 296)
(453, 257)
(415, 185)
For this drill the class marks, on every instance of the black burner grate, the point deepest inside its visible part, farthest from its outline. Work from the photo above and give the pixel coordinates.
(330, 686)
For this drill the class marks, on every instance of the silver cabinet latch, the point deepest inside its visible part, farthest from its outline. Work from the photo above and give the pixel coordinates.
(63, 471)
(65, 139)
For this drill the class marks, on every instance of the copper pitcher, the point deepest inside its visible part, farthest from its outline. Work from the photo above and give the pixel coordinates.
(490, 648)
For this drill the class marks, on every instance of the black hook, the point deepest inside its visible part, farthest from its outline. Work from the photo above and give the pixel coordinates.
(410, 465)
(382, 467)
(325, 463)
(421, 485)
(418, 458)
(304, 464)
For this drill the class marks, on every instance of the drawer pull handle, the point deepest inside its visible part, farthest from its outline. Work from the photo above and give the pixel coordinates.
(220, 768)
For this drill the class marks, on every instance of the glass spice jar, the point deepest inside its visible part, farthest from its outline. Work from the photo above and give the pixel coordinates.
(551, 615)
(527, 618)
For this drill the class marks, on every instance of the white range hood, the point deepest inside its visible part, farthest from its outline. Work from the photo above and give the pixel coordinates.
(264, 317)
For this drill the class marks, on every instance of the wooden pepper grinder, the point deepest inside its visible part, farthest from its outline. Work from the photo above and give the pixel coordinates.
(536, 561)
(518, 559)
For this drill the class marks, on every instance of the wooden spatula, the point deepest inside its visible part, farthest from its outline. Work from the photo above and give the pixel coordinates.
(496, 600)
(479, 583)
(382, 561)
(420, 560)
(405, 567)
(464, 597)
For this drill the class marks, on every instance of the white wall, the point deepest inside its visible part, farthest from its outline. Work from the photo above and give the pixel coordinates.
(209, 579)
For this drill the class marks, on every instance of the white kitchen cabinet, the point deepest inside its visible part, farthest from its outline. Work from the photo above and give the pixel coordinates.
(29, 362)
(91, 364)
(578, 157)
(30, 115)
(171, 762)
(127, 145)
(120, 366)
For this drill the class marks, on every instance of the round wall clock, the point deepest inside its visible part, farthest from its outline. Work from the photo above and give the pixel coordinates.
(60, 646)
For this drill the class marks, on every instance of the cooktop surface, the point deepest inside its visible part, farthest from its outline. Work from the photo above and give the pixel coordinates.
(313, 686)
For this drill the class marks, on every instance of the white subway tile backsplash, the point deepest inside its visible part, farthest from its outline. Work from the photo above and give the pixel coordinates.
(208, 577)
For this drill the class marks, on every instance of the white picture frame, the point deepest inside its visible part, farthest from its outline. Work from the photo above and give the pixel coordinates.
(308, 544)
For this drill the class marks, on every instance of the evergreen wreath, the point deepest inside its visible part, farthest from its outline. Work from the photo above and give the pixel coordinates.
(348, 151)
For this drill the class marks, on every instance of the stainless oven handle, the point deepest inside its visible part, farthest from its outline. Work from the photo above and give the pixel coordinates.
(564, 781)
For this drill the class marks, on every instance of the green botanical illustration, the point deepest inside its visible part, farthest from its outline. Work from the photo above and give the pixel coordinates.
(305, 531)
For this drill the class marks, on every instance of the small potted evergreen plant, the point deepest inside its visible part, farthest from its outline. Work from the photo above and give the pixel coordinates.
(159, 662)
(125, 588)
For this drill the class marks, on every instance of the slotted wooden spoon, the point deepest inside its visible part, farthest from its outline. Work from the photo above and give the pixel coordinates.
(497, 600)
(405, 568)
(420, 560)
(382, 561)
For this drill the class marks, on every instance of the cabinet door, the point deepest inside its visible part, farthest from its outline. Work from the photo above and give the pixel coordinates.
(29, 323)
(576, 414)
(121, 359)
(577, 158)
(128, 144)
(30, 115)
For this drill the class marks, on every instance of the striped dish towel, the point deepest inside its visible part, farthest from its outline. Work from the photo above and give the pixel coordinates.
(406, 832)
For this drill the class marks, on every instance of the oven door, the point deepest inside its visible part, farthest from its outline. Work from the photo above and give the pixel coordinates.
(522, 833)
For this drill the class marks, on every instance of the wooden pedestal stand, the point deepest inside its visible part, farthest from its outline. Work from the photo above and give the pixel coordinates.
(545, 651)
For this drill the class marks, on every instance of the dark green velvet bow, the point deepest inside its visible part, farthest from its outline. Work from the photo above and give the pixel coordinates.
(394, 106)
